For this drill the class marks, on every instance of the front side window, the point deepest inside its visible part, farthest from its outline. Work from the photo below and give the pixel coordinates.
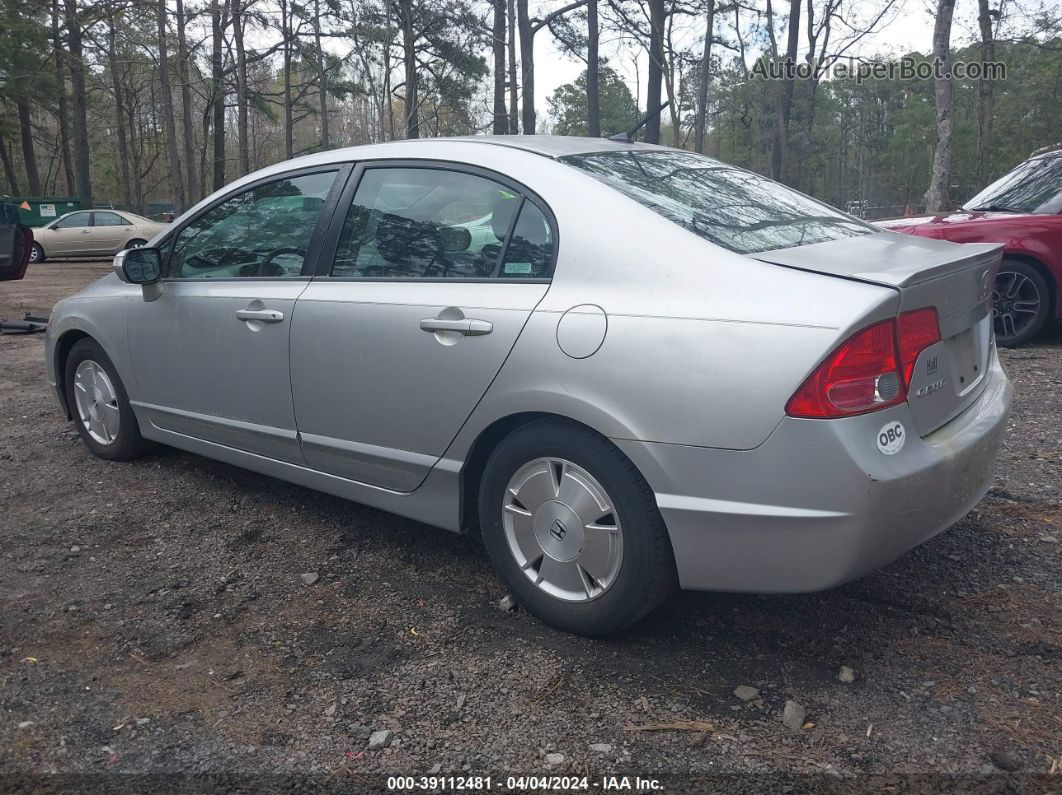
(73, 220)
(1033, 187)
(109, 219)
(410, 223)
(736, 209)
(263, 232)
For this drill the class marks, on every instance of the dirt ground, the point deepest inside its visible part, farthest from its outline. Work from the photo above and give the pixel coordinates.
(154, 621)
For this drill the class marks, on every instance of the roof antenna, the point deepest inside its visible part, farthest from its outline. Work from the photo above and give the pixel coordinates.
(628, 137)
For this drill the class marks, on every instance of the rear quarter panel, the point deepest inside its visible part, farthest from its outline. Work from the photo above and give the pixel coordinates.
(703, 346)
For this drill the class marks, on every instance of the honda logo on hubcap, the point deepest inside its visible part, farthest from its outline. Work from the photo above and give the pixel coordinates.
(558, 530)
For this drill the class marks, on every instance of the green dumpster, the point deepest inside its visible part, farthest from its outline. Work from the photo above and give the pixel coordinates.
(38, 210)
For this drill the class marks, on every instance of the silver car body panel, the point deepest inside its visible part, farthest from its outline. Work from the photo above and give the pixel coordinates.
(681, 352)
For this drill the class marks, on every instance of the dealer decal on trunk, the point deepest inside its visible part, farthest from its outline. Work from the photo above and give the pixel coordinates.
(891, 438)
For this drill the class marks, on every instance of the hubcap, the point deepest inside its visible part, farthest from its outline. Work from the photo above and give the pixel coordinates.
(34, 254)
(562, 529)
(1015, 302)
(97, 402)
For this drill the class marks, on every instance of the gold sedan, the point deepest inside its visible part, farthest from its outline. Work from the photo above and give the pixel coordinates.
(92, 233)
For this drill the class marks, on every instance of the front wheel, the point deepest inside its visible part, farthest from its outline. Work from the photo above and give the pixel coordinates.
(1020, 303)
(100, 405)
(37, 253)
(573, 529)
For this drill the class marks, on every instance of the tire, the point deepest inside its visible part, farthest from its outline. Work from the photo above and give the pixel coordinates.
(114, 441)
(135, 243)
(606, 590)
(37, 253)
(1021, 303)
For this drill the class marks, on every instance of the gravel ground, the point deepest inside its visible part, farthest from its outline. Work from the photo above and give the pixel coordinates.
(157, 618)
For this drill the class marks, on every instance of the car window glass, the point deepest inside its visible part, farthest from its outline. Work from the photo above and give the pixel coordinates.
(731, 207)
(262, 232)
(109, 219)
(530, 249)
(1034, 186)
(73, 220)
(412, 223)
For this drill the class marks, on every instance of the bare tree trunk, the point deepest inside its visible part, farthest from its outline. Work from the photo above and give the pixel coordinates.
(593, 71)
(785, 103)
(29, 157)
(527, 66)
(168, 122)
(82, 168)
(985, 98)
(657, 19)
(937, 195)
(285, 32)
(186, 106)
(238, 22)
(9, 168)
(60, 87)
(501, 118)
(701, 120)
(217, 77)
(119, 107)
(514, 112)
(322, 74)
(409, 61)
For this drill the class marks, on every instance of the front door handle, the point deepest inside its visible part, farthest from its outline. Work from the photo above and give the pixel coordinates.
(466, 326)
(261, 315)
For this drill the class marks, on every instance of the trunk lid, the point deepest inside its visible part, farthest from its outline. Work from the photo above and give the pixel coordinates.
(955, 279)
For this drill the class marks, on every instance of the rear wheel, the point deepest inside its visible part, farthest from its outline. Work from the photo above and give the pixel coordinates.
(573, 529)
(99, 404)
(1020, 303)
(37, 253)
(135, 243)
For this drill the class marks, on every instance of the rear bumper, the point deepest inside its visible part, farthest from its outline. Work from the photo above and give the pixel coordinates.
(817, 504)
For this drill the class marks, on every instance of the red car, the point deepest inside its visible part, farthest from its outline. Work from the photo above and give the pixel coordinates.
(1023, 211)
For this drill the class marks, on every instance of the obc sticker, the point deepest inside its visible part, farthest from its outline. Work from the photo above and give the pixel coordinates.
(891, 438)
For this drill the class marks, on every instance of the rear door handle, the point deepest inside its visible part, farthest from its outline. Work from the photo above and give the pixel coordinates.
(261, 315)
(466, 326)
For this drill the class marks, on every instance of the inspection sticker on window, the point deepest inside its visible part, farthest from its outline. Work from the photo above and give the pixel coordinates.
(517, 267)
(891, 438)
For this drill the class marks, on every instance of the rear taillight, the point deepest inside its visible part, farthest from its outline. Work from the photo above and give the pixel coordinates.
(915, 331)
(870, 371)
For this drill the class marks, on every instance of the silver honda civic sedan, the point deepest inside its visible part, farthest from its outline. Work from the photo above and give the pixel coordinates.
(625, 366)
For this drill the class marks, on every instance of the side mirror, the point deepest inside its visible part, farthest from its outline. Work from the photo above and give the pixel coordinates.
(141, 266)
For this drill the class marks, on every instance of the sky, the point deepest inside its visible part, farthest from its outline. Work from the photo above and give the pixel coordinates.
(908, 27)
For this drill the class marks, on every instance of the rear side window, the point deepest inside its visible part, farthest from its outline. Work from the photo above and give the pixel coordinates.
(109, 219)
(433, 223)
(733, 208)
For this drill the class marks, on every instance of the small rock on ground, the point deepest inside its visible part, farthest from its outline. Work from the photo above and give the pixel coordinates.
(746, 693)
(601, 748)
(846, 675)
(309, 578)
(507, 604)
(380, 739)
(554, 759)
(793, 715)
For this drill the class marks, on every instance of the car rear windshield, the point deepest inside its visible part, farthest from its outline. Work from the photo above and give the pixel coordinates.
(736, 209)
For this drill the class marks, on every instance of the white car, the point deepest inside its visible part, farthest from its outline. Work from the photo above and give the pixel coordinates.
(92, 233)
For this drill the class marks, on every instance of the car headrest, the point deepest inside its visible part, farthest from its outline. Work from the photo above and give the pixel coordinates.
(399, 239)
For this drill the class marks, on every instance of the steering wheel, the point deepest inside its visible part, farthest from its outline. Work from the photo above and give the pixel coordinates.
(266, 266)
